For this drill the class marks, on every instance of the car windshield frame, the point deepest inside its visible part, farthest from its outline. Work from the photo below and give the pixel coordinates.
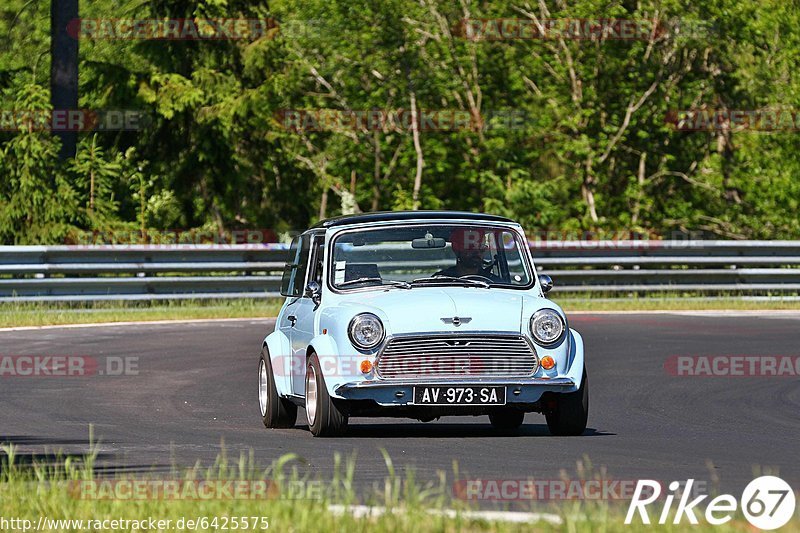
(493, 225)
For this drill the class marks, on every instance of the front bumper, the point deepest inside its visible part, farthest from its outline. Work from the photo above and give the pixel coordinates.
(393, 393)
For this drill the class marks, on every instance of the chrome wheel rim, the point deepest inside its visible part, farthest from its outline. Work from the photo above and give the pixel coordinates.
(311, 395)
(263, 389)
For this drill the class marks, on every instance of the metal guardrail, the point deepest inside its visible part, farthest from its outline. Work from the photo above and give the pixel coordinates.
(129, 272)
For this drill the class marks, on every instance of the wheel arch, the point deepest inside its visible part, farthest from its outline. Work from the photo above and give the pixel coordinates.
(279, 351)
(576, 358)
(326, 350)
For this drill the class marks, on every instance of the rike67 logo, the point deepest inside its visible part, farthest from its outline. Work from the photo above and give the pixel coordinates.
(768, 502)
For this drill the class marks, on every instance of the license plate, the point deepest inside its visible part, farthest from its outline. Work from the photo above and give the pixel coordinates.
(460, 395)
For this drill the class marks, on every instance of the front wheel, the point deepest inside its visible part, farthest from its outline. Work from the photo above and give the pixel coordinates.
(324, 418)
(276, 412)
(571, 411)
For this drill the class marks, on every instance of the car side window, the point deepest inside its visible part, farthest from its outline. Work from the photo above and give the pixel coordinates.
(294, 274)
(319, 254)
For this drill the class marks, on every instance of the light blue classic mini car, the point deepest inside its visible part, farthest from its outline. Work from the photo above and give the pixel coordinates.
(419, 314)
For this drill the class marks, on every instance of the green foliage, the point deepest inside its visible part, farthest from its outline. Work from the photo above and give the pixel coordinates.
(37, 202)
(593, 150)
(96, 175)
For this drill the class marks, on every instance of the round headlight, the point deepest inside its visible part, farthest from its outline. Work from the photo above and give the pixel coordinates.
(366, 331)
(547, 326)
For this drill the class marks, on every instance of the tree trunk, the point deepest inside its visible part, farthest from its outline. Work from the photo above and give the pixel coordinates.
(637, 207)
(323, 204)
(587, 190)
(64, 69)
(376, 174)
(418, 150)
(91, 176)
(725, 149)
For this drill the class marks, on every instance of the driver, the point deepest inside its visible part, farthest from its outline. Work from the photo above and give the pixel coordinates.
(469, 245)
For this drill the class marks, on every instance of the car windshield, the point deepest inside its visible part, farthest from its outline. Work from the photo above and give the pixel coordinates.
(479, 256)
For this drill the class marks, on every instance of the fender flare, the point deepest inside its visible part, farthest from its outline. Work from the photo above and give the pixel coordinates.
(280, 355)
(333, 366)
(576, 358)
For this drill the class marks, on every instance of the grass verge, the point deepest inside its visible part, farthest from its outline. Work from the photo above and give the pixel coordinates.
(73, 494)
(46, 314)
(671, 302)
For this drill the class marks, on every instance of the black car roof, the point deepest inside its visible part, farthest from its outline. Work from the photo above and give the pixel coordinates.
(383, 216)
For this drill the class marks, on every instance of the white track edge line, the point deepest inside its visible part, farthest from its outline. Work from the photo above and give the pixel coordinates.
(707, 312)
(364, 511)
(138, 323)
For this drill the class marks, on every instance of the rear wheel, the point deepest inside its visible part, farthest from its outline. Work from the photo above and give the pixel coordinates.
(276, 412)
(507, 419)
(571, 411)
(324, 418)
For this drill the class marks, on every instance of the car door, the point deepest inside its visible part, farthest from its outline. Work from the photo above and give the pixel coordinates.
(292, 287)
(304, 311)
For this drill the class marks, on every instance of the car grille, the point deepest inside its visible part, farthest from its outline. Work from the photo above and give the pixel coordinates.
(459, 355)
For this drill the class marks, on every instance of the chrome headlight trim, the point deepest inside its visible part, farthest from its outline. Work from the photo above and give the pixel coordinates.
(542, 313)
(358, 321)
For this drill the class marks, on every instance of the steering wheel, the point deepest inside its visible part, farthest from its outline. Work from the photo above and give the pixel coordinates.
(481, 278)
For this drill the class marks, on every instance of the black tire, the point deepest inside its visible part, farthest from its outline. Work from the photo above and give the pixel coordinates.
(324, 418)
(571, 411)
(507, 419)
(276, 412)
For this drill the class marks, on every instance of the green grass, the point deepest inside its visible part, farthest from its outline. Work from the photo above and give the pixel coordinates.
(55, 490)
(670, 302)
(43, 314)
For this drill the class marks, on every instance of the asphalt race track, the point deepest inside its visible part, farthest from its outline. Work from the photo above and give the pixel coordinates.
(197, 387)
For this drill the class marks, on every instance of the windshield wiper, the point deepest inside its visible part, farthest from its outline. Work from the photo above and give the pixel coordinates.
(466, 281)
(390, 282)
(393, 283)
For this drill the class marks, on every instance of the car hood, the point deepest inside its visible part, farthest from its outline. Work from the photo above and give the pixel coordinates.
(422, 309)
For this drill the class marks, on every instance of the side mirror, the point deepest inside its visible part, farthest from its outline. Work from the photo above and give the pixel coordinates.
(314, 291)
(546, 282)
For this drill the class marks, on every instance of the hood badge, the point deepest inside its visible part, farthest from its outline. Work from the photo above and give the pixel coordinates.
(456, 321)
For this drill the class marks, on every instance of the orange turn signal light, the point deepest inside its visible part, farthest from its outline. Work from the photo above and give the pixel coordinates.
(366, 366)
(548, 362)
